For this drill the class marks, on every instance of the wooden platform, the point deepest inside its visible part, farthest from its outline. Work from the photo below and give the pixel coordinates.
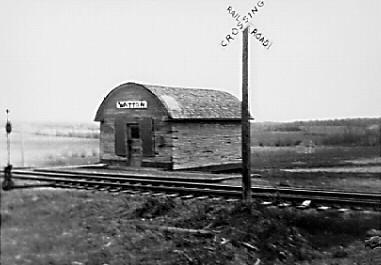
(140, 172)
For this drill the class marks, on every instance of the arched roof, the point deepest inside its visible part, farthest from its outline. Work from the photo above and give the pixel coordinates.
(189, 103)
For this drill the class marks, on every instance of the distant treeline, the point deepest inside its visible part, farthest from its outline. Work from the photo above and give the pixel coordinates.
(70, 133)
(296, 125)
(76, 130)
(361, 131)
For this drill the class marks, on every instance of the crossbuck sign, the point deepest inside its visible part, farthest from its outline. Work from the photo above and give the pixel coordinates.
(242, 25)
(244, 21)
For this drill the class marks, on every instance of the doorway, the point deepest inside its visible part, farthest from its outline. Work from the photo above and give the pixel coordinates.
(134, 145)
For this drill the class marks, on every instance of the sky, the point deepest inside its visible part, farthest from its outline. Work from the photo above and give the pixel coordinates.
(59, 59)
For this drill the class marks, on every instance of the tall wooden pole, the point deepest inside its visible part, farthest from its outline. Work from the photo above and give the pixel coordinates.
(379, 140)
(246, 178)
(8, 129)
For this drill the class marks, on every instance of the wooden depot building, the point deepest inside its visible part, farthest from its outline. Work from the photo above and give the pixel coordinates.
(173, 128)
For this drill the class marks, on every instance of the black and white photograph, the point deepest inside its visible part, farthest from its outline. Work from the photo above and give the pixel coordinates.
(240, 132)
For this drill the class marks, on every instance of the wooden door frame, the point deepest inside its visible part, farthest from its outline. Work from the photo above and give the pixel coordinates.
(128, 138)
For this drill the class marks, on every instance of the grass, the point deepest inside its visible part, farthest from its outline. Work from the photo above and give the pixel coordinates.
(40, 234)
(351, 182)
(60, 227)
(291, 157)
(71, 227)
(41, 150)
(276, 146)
(268, 162)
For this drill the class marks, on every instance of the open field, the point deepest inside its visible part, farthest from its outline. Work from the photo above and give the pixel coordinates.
(59, 227)
(348, 132)
(51, 144)
(321, 156)
(319, 181)
(274, 145)
(41, 145)
(44, 226)
(33, 149)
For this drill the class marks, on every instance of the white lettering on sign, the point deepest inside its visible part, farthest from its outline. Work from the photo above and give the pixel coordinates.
(242, 23)
(133, 104)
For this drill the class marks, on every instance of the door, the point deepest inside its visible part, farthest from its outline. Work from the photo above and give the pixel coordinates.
(134, 145)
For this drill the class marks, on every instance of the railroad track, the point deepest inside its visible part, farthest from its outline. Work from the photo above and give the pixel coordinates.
(282, 196)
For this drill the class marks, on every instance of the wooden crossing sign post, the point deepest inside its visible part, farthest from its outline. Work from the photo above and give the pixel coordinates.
(8, 129)
(8, 182)
(243, 23)
(245, 127)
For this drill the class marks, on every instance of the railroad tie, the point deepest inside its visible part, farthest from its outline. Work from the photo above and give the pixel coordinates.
(323, 208)
(127, 191)
(173, 195)
(356, 208)
(130, 192)
(305, 204)
(158, 194)
(187, 197)
(284, 204)
(88, 187)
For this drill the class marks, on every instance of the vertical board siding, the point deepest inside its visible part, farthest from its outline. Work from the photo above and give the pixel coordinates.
(146, 136)
(120, 137)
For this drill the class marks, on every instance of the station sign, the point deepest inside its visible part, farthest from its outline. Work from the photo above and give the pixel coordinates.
(131, 104)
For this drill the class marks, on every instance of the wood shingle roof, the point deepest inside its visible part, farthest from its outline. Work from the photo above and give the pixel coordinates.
(191, 103)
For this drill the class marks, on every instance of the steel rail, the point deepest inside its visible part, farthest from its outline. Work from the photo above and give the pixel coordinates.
(125, 176)
(279, 194)
(111, 177)
(173, 189)
(256, 189)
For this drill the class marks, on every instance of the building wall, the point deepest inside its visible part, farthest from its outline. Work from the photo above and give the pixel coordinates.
(178, 144)
(205, 144)
(161, 137)
(161, 129)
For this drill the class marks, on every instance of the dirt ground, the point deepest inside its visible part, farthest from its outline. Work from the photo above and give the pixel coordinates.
(46, 226)
(59, 227)
(353, 169)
